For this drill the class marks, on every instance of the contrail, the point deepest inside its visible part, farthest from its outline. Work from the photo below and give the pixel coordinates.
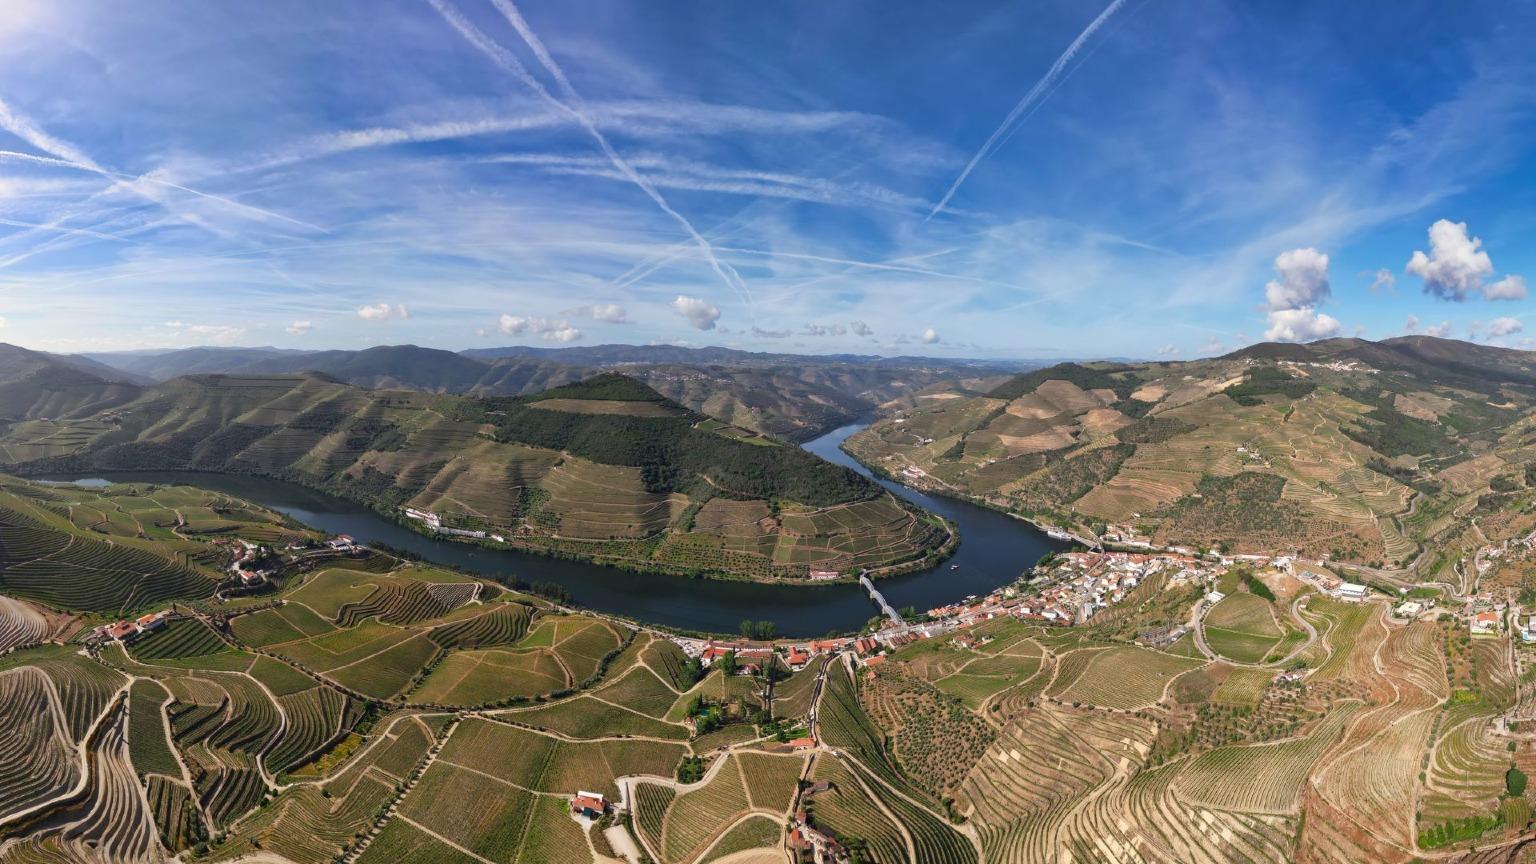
(1036, 93)
(66, 155)
(509, 62)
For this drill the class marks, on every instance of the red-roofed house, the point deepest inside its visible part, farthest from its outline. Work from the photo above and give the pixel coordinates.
(123, 631)
(589, 804)
(797, 657)
(866, 645)
(806, 743)
(152, 621)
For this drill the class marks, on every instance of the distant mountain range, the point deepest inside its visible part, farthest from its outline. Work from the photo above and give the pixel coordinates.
(787, 395)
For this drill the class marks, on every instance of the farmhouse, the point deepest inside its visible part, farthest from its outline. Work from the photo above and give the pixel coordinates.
(123, 631)
(589, 804)
(797, 657)
(152, 621)
(802, 744)
(1352, 592)
(1484, 623)
(1408, 609)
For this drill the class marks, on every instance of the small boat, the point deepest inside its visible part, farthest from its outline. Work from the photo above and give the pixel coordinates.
(954, 566)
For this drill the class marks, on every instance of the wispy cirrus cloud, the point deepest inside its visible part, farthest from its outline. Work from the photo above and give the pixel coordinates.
(573, 106)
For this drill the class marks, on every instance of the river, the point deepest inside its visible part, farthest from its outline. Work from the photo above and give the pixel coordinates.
(994, 550)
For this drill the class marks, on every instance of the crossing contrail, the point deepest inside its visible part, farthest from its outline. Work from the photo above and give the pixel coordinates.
(1036, 93)
(572, 105)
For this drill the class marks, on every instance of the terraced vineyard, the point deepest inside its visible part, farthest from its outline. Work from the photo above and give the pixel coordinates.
(354, 710)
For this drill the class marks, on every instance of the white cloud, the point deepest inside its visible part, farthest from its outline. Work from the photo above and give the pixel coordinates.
(1504, 326)
(1303, 280)
(1213, 345)
(825, 330)
(1293, 298)
(607, 313)
(1300, 325)
(930, 336)
(299, 328)
(1439, 331)
(1456, 264)
(382, 312)
(701, 314)
(3, 322)
(1167, 350)
(761, 333)
(1509, 288)
(548, 329)
(1383, 280)
(211, 334)
(859, 328)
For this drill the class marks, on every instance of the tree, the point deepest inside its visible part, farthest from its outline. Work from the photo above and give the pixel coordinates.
(1514, 782)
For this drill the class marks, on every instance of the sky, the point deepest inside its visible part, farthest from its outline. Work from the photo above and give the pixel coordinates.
(1136, 178)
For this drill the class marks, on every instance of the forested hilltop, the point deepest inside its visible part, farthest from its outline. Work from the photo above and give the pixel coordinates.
(1379, 454)
(605, 469)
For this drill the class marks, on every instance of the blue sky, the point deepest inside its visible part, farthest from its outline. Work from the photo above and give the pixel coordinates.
(1147, 178)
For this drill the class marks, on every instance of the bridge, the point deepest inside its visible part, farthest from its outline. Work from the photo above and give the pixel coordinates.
(890, 611)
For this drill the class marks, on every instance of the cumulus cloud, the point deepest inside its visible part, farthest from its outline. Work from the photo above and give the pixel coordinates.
(548, 329)
(825, 330)
(1167, 350)
(1383, 281)
(1509, 288)
(1457, 266)
(1214, 345)
(930, 336)
(299, 328)
(859, 328)
(1303, 280)
(1505, 326)
(1301, 283)
(1300, 325)
(382, 312)
(607, 313)
(701, 314)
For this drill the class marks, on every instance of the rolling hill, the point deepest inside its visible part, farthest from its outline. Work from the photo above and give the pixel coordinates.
(791, 396)
(1346, 449)
(606, 469)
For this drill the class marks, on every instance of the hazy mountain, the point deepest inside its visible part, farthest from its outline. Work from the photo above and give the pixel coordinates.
(788, 395)
(164, 365)
(34, 384)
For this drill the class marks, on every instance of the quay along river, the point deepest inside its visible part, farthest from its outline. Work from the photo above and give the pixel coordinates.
(994, 550)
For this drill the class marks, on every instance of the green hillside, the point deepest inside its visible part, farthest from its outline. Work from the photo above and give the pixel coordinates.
(605, 469)
(1340, 449)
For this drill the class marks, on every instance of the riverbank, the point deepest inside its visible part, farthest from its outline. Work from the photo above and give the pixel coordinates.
(996, 549)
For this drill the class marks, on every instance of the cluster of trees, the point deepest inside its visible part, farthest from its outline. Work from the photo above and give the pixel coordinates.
(763, 630)
(1268, 381)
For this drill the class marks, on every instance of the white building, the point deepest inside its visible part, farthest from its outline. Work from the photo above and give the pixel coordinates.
(1350, 591)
